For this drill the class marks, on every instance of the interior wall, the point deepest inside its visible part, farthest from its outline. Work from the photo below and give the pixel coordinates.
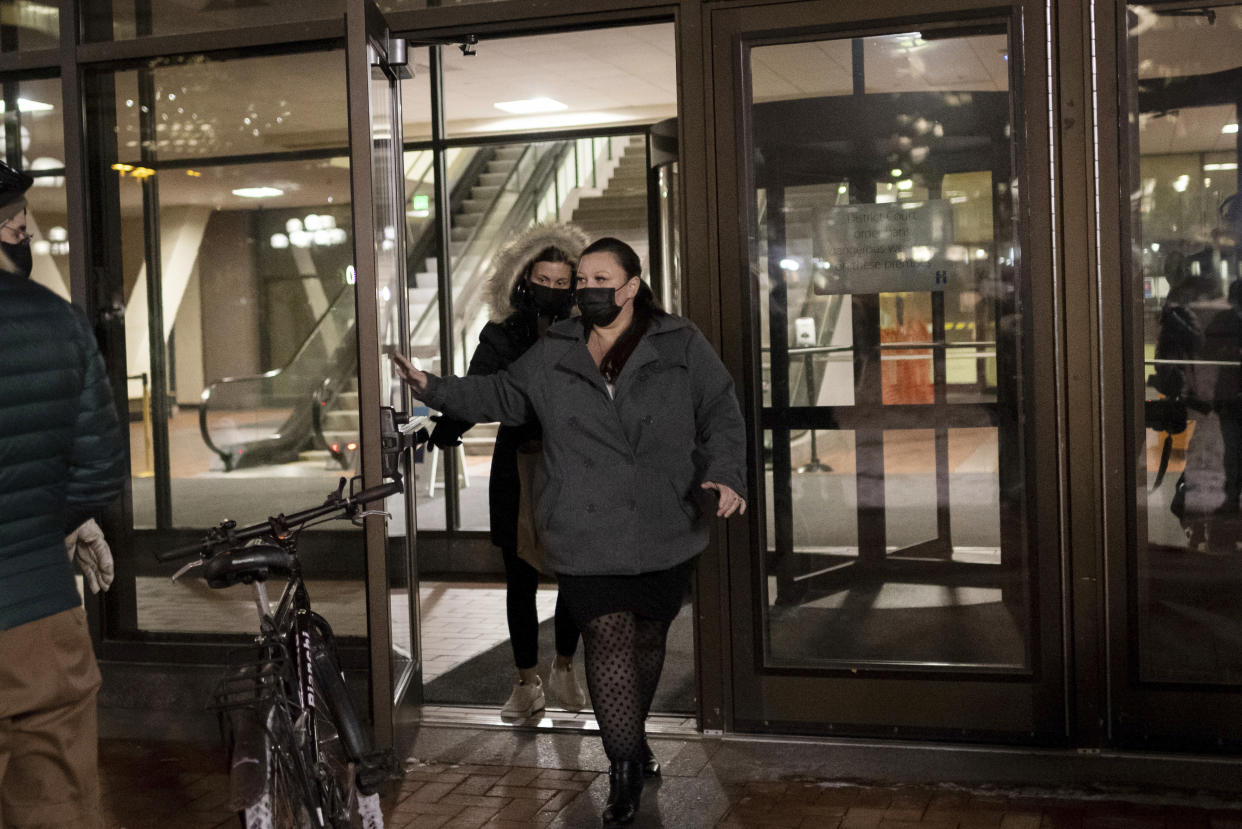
(188, 331)
(230, 314)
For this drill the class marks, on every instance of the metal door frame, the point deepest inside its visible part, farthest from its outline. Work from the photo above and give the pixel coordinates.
(367, 35)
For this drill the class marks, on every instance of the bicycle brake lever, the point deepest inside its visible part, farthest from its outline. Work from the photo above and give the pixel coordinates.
(186, 569)
(357, 517)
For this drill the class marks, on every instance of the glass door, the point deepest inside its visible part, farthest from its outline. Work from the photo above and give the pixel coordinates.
(1175, 590)
(894, 307)
(376, 62)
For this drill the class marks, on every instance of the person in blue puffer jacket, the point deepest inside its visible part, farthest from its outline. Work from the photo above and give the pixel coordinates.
(61, 461)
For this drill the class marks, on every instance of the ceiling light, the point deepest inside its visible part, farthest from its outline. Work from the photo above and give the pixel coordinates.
(551, 121)
(1229, 129)
(1228, 165)
(27, 105)
(530, 106)
(258, 192)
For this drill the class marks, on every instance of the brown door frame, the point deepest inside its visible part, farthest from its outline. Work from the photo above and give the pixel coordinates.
(766, 699)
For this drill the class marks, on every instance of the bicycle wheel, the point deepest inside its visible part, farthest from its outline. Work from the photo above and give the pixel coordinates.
(288, 797)
(340, 741)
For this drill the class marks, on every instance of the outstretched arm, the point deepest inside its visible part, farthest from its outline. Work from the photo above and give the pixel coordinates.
(501, 397)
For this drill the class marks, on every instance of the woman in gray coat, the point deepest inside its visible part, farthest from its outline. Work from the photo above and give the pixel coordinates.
(640, 423)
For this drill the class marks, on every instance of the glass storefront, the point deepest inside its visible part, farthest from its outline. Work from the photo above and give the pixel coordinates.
(1186, 308)
(885, 255)
(871, 207)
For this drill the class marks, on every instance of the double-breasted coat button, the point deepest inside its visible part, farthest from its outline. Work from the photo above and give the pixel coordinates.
(573, 421)
(590, 508)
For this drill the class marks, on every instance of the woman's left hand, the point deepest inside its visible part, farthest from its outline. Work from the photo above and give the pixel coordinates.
(727, 501)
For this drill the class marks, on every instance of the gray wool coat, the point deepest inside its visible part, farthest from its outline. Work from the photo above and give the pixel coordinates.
(622, 494)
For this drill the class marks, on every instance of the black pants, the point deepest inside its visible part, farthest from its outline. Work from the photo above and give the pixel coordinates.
(522, 583)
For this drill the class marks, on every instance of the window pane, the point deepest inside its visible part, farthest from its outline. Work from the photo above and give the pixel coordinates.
(296, 104)
(104, 20)
(249, 265)
(602, 77)
(884, 250)
(30, 25)
(40, 116)
(1186, 224)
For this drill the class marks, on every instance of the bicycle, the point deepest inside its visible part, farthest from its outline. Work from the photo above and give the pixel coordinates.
(300, 755)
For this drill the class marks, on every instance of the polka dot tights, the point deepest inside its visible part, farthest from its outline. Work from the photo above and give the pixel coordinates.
(624, 658)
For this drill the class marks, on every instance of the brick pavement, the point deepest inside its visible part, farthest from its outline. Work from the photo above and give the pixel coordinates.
(150, 784)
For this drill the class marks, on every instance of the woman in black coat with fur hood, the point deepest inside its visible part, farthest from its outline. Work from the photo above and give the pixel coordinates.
(529, 289)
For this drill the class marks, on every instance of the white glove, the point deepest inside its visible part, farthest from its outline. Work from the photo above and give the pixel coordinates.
(87, 547)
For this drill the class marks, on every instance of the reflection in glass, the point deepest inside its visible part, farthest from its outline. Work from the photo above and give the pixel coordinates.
(1186, 311)
(884, 251)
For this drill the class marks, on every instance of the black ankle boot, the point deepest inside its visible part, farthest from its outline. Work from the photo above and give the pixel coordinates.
(625, 788)
(651, 766)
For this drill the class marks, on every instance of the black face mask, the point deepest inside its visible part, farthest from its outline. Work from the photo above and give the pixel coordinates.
(21, 257)
(598, 306)
(550, 302)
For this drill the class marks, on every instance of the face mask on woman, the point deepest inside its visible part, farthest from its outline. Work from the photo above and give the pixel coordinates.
(598, 306)
(550, 302)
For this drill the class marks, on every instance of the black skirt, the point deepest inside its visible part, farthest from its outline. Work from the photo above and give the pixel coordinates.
(655, 595)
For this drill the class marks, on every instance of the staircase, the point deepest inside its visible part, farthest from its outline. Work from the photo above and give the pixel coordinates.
(338, 418)
(621, 209)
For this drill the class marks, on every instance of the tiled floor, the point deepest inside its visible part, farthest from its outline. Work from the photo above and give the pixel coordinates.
(459, 777)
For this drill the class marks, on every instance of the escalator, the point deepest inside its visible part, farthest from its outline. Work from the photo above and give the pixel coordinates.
(309, 406)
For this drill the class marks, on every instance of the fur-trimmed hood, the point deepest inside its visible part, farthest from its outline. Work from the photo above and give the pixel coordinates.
(508, 264)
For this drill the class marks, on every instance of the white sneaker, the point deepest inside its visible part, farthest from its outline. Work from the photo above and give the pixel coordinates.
(526, 699)
(563, 684)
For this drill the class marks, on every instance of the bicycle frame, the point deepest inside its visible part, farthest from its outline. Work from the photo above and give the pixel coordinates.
(275, 698)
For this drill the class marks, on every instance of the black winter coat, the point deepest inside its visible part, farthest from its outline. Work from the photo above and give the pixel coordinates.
(61, 454)
(500, 344)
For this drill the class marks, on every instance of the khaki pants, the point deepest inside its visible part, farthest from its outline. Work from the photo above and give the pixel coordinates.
(48, 735)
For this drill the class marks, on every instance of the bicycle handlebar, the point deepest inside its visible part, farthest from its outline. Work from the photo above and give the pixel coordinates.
(224, 536)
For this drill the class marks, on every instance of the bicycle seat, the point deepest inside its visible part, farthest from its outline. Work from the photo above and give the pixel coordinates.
(247, 565)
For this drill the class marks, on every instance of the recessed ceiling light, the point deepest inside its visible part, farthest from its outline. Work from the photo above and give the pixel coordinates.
(1229, 129)
(530, 106)
(258, 192)
(557, 120)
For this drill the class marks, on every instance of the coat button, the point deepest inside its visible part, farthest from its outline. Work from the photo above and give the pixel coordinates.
(588, 463)
(573, 421)
(590, 508)
(648, 420)
(633, 506)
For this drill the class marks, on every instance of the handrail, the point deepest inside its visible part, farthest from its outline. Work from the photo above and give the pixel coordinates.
(426, 241)
(528, 198)
(538, 180)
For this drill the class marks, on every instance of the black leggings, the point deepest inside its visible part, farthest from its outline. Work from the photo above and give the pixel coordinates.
(624, 658)
(522, 583)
